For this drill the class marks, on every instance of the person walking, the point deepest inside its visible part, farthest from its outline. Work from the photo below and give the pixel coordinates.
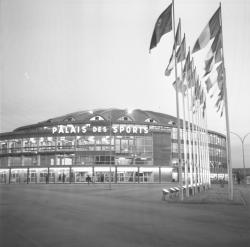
(88, 179)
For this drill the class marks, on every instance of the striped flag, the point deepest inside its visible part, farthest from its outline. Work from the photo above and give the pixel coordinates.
(163, 25)
(208, 32)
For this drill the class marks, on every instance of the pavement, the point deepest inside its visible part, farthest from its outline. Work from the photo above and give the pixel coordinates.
(128, 215)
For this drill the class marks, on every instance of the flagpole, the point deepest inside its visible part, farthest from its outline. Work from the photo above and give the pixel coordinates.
(229, 165)
(198, 144)
(184, 129)
(178, 117)
(194, 140)
(202, 144)
(207, 149)
(190, 144)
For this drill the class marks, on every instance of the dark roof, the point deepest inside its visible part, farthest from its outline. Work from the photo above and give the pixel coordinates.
(136, 116)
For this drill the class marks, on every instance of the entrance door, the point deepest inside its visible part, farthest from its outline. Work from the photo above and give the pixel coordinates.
(80, 177)
(33, 177)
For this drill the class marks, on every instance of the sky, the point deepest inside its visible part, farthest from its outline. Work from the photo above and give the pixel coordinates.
(62, 56)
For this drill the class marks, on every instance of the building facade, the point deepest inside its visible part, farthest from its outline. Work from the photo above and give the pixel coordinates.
(136, 147)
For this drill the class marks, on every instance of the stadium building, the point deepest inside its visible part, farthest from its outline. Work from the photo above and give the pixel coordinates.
(134, 147)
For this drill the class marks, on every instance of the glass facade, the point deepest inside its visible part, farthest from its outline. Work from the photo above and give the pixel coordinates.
(65, 154)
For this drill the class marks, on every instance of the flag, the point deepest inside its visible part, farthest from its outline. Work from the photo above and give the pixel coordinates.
(202, 96)
(216, 45)
(215, 78)
(186, 72)
(220, 101)
(209, 84)
(203, 109)
(178, 34)
(220, 72)
(209, 63)
(178, 85)
(170, 66)
(163, 25)
(208, 32)
(181, 52)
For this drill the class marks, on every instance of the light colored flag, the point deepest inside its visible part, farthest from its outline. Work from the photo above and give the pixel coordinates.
(163, 25)
(209, 63)
(216, 45)
(178, 86)
(181, 52)
(170, 66)
(209, 84)
(208, 32)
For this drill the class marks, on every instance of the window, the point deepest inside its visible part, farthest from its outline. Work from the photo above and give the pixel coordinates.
(150, 120)
(124, 118)
(96, 118)
(69, 119)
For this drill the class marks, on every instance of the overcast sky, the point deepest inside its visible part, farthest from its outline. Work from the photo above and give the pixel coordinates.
(62, 56)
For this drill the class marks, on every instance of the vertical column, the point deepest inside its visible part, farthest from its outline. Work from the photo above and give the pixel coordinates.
(70, 175)
(159, 175)
(116, 174)
(8, 161)
(38, 158)
(55, 156)
(28, 175)
(47, 181)
(9, 175)
(138, 174)
(93, 174)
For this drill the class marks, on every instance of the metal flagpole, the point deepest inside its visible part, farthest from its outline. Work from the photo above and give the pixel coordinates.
(229, 165)
(198, 145)
(190, 144)
(177, 112)
(184, 128)
(185, 142)
(195, 144)
(202, 145)
(207, 149)
(194, 140)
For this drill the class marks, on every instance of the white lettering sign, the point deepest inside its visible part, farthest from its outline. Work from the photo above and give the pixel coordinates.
(76, 129)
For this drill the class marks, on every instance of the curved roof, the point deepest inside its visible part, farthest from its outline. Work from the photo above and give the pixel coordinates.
(136, 116)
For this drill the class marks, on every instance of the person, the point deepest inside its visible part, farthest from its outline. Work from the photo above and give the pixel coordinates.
(88, 179)
(63, 178)
(238, 177)
(46, 178)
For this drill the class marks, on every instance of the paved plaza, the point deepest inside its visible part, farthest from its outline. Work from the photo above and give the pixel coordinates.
(129, 215)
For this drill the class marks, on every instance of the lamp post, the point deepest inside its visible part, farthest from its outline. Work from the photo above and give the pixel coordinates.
(243, 153)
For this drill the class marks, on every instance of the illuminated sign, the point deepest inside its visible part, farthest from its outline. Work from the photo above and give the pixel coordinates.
(82, 129)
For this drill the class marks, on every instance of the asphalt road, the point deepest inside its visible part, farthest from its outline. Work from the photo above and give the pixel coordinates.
(75, 215)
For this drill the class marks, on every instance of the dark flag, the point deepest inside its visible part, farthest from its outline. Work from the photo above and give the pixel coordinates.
(208, 32)
(178, 34)
(163, 25)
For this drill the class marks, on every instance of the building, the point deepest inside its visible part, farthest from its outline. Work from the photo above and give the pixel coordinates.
(130, 147)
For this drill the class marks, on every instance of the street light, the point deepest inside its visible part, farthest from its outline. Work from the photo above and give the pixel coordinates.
(243, 153)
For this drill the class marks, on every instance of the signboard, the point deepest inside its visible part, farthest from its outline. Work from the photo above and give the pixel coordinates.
(82, 129)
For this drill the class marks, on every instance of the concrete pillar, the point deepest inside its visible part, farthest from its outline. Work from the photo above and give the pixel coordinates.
(22, 160)
(159, 175)
(138, 172)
